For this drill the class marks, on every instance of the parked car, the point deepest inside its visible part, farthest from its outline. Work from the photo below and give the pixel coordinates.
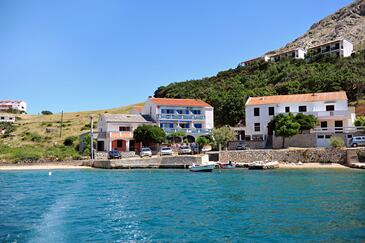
(194, 149)
(185, 150)
(165, 151)
(206, 148)
(357, 141)
(145, 152)
(114, 154)
(241, 146)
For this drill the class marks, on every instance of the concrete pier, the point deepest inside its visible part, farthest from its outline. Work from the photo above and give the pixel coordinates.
(170, 162)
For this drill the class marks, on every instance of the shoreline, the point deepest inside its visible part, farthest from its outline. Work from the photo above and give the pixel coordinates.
(72, 166)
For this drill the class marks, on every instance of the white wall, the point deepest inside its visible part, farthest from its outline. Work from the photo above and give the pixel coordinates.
(264, 117)
(347, 48)
(209, 117)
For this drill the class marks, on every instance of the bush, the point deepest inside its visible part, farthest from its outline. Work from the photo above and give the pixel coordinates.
(46, 112)
(69, 141)
(337, 142)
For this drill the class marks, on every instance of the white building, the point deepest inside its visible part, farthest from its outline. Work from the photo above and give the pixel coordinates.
(18, 105)
(331, 109)
(341, 48)
(7, 117)
(297, 53)
(191, 116)
(254, 60)
(115, 131)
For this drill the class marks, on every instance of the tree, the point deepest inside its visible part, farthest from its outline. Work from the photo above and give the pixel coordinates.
(45, 112)
(337, 142)
(148, 134)
(285, 126)
(7, 127)
(222, 135)
(202, 141)
(306, 122)
(360, 121)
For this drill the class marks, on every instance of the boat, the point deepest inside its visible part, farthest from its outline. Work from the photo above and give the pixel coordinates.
(263, 165)
(202, 168)
(229, 165)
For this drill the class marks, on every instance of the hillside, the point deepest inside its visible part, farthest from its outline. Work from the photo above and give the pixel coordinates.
(228, 90)
(38, 136)
(346, 23)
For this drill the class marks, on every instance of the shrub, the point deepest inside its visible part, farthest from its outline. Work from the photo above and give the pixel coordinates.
(69, 141)
(337, 142)
(46, 112)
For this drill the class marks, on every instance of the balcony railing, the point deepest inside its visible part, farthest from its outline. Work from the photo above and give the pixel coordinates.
(188, 130)
(337, 129)
(180, 117)
(321, 114)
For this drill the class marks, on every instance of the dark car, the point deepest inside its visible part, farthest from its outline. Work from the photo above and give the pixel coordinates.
(114, 154)
(241, 146)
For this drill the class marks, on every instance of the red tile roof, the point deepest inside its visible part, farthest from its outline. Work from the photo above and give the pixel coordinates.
(179, 102)
(297, 98)
(138, 108)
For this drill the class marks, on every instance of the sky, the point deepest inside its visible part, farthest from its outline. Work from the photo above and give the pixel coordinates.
(75, 55)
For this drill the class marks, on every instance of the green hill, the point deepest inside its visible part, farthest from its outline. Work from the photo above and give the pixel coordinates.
(228, 90)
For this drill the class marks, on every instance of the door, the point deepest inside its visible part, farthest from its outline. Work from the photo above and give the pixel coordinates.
(323, 140)
(338, 126)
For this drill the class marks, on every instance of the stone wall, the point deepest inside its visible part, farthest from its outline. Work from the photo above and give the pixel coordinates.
(301, 140)
(304, 155)
(154, 162)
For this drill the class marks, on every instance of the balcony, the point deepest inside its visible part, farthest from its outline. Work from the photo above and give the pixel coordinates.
(119, 135)
(327, 114)
(180, 117)
(337, 130)
(188, 131)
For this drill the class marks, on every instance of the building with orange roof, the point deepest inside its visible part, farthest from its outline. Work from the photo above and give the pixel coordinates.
(330, 108)
(194, 117)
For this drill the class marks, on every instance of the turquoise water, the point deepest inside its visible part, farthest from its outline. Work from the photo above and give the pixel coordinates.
(175, 205)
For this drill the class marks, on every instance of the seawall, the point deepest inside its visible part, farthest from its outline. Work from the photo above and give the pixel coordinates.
(292, 155)
(154, 162)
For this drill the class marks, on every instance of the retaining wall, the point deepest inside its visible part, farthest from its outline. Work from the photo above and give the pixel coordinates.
(154, 162)
(305, 155)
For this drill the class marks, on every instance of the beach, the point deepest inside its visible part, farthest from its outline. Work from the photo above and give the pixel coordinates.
(43, 166)
(312, 166)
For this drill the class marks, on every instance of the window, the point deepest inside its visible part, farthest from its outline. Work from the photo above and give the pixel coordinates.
(271, 111)
(124, 129)
(287, 109)
(330, 107)
(338, 123)
(256, 111)
(184, 125)
(328, 136)
(324, 125)
(2, 118)
(320, 136)
(196, 112)
(257, 127)
(302, 108)
(198, 125)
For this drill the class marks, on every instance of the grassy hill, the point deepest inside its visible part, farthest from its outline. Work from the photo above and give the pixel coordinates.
(38, 136)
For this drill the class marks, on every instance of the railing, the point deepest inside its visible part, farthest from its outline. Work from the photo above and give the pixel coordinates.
(180, 117)
(188, 130)
(320, 114)
(120, 135)
(337, 129)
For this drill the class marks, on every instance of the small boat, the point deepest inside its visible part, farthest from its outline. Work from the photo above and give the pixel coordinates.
(263, 165)
(202, 168)
(229, 165)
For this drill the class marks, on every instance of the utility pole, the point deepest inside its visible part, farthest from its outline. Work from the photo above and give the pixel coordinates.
(61, 124)
(91, 138)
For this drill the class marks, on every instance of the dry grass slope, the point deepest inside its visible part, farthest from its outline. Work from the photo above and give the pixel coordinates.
(48, 127)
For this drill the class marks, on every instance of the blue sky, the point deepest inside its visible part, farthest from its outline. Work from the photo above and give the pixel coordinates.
(77, 55)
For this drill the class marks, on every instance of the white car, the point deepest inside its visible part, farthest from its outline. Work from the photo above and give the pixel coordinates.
(165, 151)
(145, 152)
(185, 150)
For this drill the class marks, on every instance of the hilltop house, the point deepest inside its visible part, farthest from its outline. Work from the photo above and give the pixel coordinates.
(340, 48)
(115, 131)
(7, 117)
(18, 105)
(190, 116)
(331, 110)
(297, 53)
